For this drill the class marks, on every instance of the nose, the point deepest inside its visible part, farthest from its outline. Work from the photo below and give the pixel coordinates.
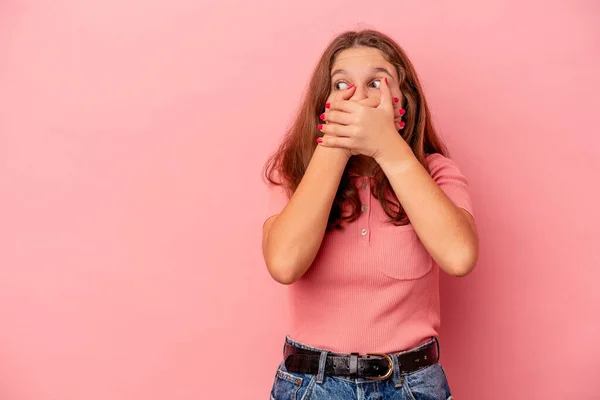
(360, 93)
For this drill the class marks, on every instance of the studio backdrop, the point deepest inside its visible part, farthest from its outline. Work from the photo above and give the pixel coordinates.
(132, 137)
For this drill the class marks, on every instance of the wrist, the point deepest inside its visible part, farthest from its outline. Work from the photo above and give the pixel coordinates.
(336, 158)
(334, 153)
(395, 152)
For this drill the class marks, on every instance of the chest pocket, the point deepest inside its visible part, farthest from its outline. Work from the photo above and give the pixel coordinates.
(402, 256)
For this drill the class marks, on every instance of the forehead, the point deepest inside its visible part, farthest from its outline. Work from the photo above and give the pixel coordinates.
(360, 58)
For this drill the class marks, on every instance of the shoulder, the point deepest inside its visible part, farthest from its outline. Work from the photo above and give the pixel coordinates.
(437, 160)
(443, 169)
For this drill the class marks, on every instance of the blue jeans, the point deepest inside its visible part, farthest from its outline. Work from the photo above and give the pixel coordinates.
(428, 383)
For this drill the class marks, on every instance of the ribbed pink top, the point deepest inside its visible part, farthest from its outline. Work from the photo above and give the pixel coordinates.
(373, 286)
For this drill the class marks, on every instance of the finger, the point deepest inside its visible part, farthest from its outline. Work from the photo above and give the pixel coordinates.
(344, 105)
(336, 130)
(338, 117)
(399, 114)
(342, 95)
(334, 141)
(386, 101)
(375, 101)
(369, 102)
(348, 93)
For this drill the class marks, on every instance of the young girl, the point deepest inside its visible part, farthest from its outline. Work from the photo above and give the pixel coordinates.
(365, 207)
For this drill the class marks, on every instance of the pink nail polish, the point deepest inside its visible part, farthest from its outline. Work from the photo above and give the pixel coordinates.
(327, 105)
(396, 99)
(322, 117)
(319, 140)
(350, 87)
(385, 78)
(402, 125)
(320, 127)
(402, 111)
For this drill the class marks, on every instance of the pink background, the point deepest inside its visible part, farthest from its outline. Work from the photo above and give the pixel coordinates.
(131, 140)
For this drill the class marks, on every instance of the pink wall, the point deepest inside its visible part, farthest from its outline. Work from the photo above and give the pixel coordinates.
(131, 140)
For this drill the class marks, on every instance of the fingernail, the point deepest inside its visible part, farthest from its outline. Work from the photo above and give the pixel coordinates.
(322, 117)
(402, 111)
(402, 125)
(385, 78)
(320, 127)
(327, 105)
(396, 99)
(319, 140)
(350, 87)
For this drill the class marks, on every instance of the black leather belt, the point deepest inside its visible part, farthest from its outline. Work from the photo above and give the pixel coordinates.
(377, 366)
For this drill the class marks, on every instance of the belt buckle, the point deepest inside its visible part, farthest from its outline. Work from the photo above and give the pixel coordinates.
(390, 370)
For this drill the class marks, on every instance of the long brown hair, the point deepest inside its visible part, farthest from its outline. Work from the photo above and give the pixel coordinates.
(289, 163)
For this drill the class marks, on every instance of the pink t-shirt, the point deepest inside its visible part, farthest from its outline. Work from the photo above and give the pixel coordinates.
(373, 286)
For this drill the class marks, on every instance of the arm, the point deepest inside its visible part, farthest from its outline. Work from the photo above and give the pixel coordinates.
(447, 231)
(292, 238)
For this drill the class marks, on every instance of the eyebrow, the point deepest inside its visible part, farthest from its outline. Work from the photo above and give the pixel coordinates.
(376, 69)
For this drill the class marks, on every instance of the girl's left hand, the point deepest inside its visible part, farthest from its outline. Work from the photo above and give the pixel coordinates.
(359, 128)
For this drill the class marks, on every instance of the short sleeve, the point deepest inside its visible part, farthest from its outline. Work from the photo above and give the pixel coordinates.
(446, 174)
(277, 199)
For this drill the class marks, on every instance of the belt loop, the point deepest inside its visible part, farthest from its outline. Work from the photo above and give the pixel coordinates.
(322, 360)
(398, 380)
(353, 370)
(437, 342)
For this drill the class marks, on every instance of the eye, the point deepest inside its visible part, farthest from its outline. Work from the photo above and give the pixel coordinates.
(340, 85)
(376, 83)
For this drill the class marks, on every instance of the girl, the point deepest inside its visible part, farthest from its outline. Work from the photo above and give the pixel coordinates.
(365, 208)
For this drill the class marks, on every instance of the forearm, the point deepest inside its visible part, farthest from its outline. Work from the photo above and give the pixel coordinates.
(292, 239)
(447, 231)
